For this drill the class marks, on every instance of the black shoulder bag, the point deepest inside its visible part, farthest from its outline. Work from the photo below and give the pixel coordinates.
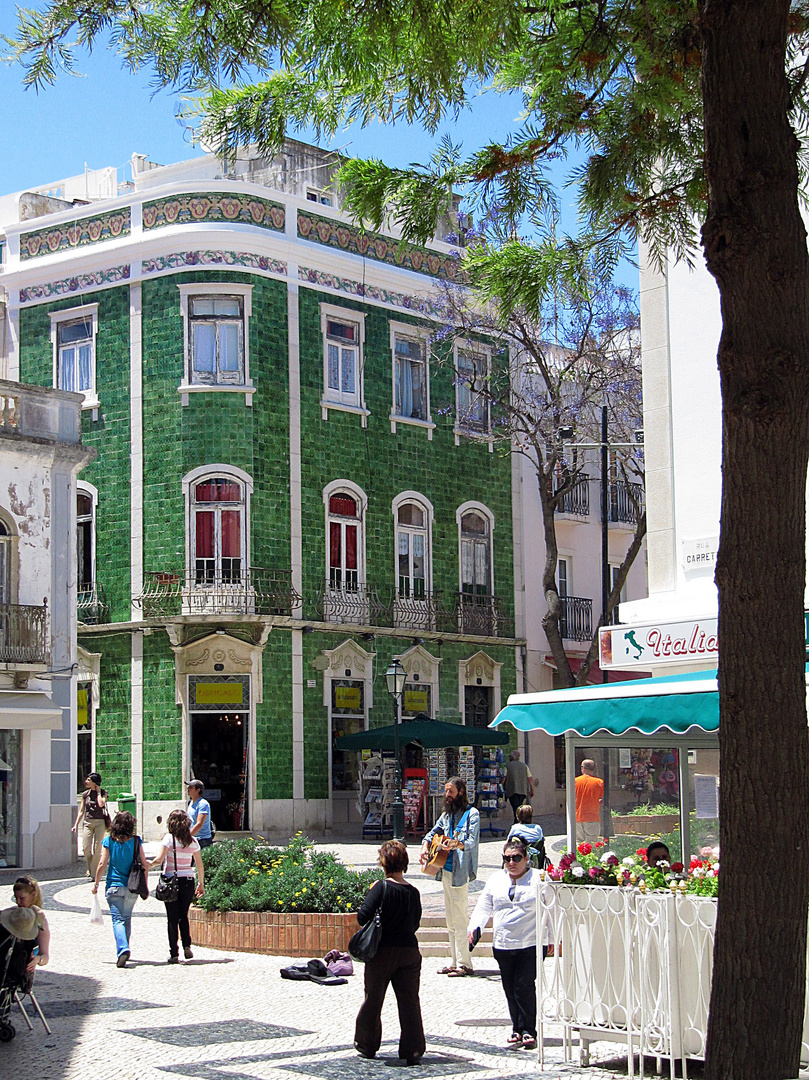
(365, 942)
(137, 882)
(168, 887)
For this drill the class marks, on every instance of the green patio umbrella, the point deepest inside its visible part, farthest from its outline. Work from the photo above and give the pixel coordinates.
(432, 734)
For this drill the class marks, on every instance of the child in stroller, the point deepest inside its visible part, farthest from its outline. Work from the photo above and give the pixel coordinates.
(24, 943)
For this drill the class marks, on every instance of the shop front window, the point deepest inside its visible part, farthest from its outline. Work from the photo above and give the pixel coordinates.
(84, 735)
(347, 718)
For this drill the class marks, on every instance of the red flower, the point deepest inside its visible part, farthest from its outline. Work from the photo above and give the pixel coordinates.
(677, 867)
(641, 852)
(599, 843)
(585, 849)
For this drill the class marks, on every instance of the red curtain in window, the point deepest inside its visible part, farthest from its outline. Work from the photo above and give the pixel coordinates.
(351, 547)
(219, 490)
(231, 534)
(343, 505)
(334, 545)
(205, 534)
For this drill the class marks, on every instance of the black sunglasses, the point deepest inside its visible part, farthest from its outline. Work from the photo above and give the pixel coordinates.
(513, 858)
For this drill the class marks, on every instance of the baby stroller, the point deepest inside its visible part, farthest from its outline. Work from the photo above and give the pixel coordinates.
(18, 932)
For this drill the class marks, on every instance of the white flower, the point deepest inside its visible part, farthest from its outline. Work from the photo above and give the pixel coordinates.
(607, 855)
(628, 861)
(576, 870)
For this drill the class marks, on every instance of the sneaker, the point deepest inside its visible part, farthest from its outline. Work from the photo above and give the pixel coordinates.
(122, 959)
(174, 959)
(187, 953)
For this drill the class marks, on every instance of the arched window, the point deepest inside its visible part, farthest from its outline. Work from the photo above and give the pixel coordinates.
(85, 540)
(5, 563)
(412, 551)
(345, 541)
(476, 573)
(217, 510)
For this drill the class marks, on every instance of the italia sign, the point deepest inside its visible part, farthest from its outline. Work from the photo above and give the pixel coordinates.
(625, 647)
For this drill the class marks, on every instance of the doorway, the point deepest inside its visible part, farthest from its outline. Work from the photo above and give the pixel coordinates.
(219, 745)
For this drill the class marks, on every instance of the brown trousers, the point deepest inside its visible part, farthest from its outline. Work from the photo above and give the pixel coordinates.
(401, 968)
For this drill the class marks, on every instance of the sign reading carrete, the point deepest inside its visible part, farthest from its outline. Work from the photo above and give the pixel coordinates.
(658, 643)
(700, 554)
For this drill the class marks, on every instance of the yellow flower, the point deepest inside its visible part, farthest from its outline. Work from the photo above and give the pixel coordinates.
(280, 903)
(331, 881)
(304, 890)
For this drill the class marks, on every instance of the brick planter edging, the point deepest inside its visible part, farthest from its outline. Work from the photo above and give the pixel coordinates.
(280, 934)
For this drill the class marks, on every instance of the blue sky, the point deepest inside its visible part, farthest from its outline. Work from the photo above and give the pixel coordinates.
(107, 114)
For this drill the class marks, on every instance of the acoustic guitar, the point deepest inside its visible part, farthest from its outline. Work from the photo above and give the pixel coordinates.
(437, 855)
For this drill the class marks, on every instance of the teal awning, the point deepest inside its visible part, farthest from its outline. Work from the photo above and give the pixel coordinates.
(676, 703)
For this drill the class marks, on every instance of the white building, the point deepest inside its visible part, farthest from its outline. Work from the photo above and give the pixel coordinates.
(40, 456)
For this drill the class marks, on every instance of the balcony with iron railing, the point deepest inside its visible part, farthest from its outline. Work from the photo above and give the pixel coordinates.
(91, 604)
(472, 614)
(576, 501)
(625, 503)
(24, 634)
(211, 591)
(576, 618)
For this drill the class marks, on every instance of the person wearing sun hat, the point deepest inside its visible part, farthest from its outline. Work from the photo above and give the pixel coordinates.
(18, 925)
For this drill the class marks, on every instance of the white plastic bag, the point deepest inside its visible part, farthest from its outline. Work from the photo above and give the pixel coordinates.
(96, 915)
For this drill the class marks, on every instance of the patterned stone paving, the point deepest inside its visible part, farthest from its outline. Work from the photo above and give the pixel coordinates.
(230, 1017)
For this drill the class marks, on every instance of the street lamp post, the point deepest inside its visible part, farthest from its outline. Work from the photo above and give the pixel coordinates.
(395, 677)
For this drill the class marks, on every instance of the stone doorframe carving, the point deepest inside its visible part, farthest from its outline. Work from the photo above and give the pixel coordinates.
(349, 656)
(202, 657)
(479, 670)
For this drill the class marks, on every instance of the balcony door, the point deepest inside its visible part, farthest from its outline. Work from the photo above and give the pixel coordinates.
(217, 573)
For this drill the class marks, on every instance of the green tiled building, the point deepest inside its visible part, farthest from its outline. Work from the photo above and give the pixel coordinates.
(291, 486)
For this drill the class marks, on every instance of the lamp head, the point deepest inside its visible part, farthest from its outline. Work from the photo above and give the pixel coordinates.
(395, 677)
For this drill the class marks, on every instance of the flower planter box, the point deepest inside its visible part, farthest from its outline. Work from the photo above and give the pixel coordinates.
(645, 825)
(309, 935)
(635, 968)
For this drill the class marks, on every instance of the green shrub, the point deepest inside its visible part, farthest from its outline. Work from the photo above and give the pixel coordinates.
(647, 810)
(249, 875)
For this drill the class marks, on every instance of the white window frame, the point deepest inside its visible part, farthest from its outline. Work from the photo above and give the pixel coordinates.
(483, 434)
(321, 197)
(338, 487)
(190, 480)
(201, 289)
(87, 312)
(485, 512)
(335, 399)
(413, 333)
(424, 504)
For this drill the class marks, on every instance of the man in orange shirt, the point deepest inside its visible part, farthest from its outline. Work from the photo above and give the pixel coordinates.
(589, 793)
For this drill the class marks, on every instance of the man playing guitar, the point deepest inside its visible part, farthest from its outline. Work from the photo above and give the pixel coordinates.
(457, 833)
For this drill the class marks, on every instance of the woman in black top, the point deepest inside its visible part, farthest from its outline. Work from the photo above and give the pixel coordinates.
(398, 960)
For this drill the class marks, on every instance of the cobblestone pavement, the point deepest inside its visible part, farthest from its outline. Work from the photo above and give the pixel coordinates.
(228, 1016)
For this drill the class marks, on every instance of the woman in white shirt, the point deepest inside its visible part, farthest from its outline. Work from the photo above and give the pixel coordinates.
(510, 899)
(179, 855)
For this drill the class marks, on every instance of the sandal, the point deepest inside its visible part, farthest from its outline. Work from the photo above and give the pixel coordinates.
(529, 1042)
(515, 1037)
(446, 970)
(460, 972)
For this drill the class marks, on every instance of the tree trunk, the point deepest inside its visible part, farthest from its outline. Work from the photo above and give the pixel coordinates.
(755, 246)
(550, 621)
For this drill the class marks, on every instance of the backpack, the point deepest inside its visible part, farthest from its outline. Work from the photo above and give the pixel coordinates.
(537, 855)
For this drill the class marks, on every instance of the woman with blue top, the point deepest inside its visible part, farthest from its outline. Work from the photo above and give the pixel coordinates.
(121, 850)
(524, 829)
(459, 822)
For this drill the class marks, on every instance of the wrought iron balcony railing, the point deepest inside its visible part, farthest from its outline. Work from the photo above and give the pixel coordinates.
(475, 614)
(576, 618)
(482, 614)
(576, 501)
(625, 502)
(206, 591)
(24, 634)
(91, 604)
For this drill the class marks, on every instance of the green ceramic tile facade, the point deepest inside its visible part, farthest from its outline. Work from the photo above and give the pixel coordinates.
(114, 718)
(220, 428)
(274, 720)
(109, 435)
(162, 723)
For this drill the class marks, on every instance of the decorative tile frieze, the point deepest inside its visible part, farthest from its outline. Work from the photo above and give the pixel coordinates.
(199, 207)
(179, 259)
(418, 304)
(336, 234)
(79, 283)
(78, 233)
